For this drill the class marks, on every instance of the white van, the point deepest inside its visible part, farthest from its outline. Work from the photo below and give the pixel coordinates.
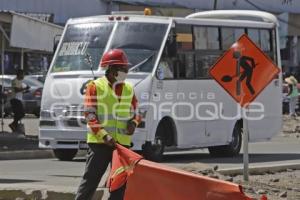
(182, 105)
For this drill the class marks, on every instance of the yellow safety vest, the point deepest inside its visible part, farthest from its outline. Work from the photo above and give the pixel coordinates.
(112, 113)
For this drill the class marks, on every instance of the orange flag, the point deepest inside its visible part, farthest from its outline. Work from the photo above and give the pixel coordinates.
(147, 180)
(151, 180)
(123, 162)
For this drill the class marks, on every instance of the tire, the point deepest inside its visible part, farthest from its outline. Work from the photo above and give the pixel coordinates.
(65, 154)
(233, 148)
(155, 151)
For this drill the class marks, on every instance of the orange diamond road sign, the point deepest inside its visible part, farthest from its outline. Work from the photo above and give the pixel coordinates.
(244, 71)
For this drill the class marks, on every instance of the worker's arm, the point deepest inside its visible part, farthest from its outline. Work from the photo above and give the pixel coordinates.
(137, 116)
(90, 111)
(134, 122)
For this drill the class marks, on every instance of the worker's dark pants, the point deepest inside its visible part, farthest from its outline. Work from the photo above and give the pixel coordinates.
(99, 156)
(18, 110)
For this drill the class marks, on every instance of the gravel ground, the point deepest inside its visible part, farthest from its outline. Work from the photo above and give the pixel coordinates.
(280, 185)
(275, 186)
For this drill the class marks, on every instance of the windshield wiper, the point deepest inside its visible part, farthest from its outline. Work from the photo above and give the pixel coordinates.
(141, 63)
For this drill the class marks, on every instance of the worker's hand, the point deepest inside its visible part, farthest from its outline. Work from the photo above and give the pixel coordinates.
(130, 127)
(108, 140)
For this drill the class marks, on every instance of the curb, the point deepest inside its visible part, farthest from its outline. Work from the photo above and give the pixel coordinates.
(30, 154)
(25, 154)
(258, 170)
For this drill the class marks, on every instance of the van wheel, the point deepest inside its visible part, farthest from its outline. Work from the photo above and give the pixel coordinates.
(233, 148)
(154, 152)
(65, 154)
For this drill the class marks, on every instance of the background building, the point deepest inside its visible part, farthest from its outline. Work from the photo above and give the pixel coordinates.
(26, 43)
(59, 11)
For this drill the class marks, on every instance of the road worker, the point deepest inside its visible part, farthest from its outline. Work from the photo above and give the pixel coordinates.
(110, 106)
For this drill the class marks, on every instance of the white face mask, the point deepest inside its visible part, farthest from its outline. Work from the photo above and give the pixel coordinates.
(121, 76)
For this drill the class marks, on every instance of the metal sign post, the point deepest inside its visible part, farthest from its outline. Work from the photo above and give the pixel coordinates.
(239, 91)
(245, 145)
(2, 88)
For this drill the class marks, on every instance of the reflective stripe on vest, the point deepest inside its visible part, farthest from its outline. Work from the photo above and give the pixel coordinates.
(112, 113)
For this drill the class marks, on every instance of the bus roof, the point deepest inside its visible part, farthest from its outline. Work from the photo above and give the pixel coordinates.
(235, 15)
(226, 16)
(107, 18)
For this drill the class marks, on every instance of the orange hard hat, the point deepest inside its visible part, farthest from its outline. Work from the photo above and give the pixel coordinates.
(114, 57)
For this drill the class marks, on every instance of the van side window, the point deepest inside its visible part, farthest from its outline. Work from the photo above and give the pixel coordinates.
(206, 38)
(230, 36)
(207, 49)
(166, 66)
(185, 51)
(262, 38)
(186, 65)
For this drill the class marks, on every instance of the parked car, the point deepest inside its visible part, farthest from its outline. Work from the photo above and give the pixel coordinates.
(31, 98)
(40, 78)
(286, 99)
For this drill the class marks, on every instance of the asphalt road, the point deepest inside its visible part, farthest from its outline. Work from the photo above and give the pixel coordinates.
(280, 149)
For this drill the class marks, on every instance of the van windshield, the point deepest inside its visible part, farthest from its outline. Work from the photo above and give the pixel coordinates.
(81, 40)
(141, 42)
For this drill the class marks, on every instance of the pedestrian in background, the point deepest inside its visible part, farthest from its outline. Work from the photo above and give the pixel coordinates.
(109, 110)
(292, 94)
(16, 101)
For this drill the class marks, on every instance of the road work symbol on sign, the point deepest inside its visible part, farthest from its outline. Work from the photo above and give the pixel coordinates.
(247, 64)
(244, 70)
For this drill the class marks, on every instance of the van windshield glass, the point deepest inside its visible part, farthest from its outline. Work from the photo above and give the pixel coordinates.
(80, 40)
(141, 42)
